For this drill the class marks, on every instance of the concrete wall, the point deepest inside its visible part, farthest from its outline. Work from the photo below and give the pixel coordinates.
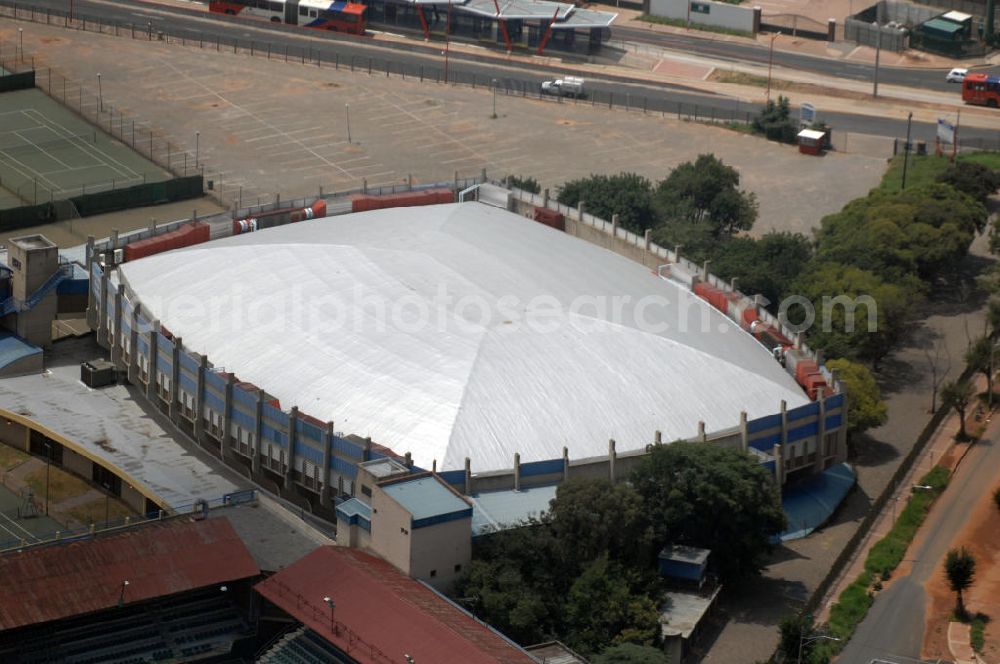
(77, 464)
(14, 434)
(706, 12)
(391, 531)
(444, 549)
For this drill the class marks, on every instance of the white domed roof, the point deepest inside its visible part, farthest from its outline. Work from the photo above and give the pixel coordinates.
(462, 330)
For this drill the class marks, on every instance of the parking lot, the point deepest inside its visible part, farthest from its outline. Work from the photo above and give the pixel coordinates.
(266, 127)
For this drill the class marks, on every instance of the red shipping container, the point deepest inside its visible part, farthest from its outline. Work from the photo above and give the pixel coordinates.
(365, 202)
(814, 382)
(185, 236)
(551, 218)
(803, 369)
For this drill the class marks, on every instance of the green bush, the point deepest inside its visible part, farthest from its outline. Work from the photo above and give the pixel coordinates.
(776, 122)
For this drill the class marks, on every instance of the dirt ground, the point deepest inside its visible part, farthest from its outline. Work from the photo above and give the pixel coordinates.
(981, 536)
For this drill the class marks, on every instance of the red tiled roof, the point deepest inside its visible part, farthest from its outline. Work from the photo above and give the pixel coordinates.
(381, 614)
(81, 577)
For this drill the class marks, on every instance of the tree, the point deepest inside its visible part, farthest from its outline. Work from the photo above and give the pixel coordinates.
(765, 266)
(711, 497)
(602, 609)
(858, 315)
(976, 180)
(524, 183)
(960, 568)
(630, 653)
(628, 195)
(905, 237)
(938, 370)
(775, 121)
(984, 357)
(865, 407)
(958, 395)
(593, 517)
(498, 593)
(706, 192)
(794, 630)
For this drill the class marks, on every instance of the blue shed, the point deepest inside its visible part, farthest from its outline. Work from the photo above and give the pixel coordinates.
(684, 562)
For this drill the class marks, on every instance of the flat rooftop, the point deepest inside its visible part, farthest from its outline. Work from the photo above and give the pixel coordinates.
(107, 423)
(33, 242)
(425, 498)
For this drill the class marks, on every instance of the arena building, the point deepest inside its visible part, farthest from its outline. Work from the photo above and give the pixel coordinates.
(462, 330)
(502, 354)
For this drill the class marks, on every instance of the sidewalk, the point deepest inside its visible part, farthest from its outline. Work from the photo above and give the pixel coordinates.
(940, 450)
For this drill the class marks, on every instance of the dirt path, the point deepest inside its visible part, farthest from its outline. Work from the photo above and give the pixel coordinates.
(981, 535)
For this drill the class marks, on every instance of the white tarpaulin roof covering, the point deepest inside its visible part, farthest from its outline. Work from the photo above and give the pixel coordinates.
(462, 330)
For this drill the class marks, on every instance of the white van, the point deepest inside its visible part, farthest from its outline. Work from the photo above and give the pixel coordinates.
(568, 86)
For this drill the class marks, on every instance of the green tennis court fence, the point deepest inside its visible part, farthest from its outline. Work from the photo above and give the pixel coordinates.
(141, 195)
(17, 81)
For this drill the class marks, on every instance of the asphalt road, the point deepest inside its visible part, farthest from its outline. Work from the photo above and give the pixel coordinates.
(893, 630)
(417, 59)
(928, 79)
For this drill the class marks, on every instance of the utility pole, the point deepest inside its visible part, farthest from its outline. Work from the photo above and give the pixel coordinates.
(770, 63)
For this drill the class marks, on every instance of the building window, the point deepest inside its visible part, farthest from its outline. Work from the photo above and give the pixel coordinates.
(434, 573)
(366, 490)
(458, 568)
(16, 264)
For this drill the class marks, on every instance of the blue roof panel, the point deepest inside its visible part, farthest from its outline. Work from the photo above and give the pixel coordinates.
(425, 498)
(13, 348)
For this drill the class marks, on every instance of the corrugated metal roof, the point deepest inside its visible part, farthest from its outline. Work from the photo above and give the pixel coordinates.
(463, 330)
(60, 581)
(496, 510)
(381, 613)
(425, 497)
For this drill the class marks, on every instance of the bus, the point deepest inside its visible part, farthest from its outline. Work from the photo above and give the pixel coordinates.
(981, 89)
(349, 17)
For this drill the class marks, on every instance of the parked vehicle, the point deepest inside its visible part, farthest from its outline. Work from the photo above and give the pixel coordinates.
(568, 86)
(956, 75)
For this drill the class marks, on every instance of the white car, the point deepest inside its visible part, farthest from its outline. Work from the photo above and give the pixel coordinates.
(956, 75)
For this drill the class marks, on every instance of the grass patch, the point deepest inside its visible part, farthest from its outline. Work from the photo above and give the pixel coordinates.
(977, 632)
(11, 458)
(681, 23)
(93, 511)
(857, 598)
(888, 552)
(62, 485)
(742, 78)
(924, 169)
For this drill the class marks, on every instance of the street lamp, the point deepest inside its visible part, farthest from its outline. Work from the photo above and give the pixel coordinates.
(802, 642)
(100, 94)
(197, 144)
(494, 99)
(878, 52)
(48, 460)
(906, 149)
(107, 502)
(770, 63)
(20, 42)
(329, 602)
(923, 487)
(347, 107)
(121, 595)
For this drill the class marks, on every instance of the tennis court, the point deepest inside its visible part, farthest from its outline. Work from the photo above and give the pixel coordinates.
(49, 153)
